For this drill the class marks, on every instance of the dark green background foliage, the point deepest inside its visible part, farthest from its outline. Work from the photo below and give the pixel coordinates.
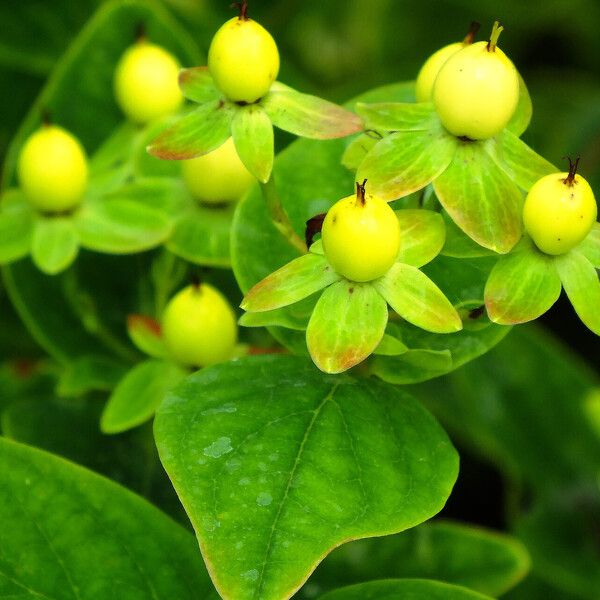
(525, 417)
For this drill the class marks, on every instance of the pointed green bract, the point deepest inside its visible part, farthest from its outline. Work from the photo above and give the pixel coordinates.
(458, 244)
(69, 533)
(255, 447)
(521, 287)
(358, 148)
(196, 84)
(481, 199)
(522, 115)
(54, 245)
(422, 236)
(407, 161)
(298, 279)
(347, 324)
(590, 247)
(405, 589)
(295, 316)
(16, 227)
(195, 134)
(390, 346)
(252, 133)
(518, 160)
(580, 280)
(308, 116)
(138, 394)
(121, 226)
(417, 299)
(398, 116)
(145, 333)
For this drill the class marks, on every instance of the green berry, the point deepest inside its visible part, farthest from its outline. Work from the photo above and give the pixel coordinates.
(559, 212)
(146, 83)
(477, 90)
(53, 170)
(361, 236)
(243, 60)
(199, 327)
(217, 177)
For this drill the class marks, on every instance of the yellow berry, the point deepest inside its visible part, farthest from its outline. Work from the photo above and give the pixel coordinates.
(559, 212)
(146, 83)
(199, 327)
(476, 91)
(243, 60)
(217, 177)
(53, 169)
(361, 236)
(430, 69)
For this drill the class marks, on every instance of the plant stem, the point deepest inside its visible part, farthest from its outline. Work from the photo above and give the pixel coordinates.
(280, 218)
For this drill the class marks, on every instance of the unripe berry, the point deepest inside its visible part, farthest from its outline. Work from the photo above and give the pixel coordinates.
(199, 327)
(361, 236)
(217, 177)
(146, 83)
(243, 59)
(559, 212)
(53, 170)
(477, 90)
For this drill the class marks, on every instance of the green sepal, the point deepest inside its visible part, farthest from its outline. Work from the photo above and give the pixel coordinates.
(522, 115)
(144, 164)
(413, 366)
(481, 198)
(197, 133)
(422, 236)
(252, 133)
(521, 287)
(55, 244)
(165, 194)
(121, 226)
(16, 226)
(138, 394)
(196, 84)
(145, 333)
(523, 165)
(298, 279)
(580, 280)
(309, 116)
(317, 247)
(590, 247)
(406, 161)
(458, 244)
(398, 116)
(390, 346)
(89, 374)
(358, 148)
(417, 299)
(294, 316)
(347, 324)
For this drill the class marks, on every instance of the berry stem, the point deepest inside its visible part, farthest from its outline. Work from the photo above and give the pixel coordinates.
(243, 8)
(46, 118)
(360, 192)
(140, 32)
(280, 218)
(497, 29)
(473, 29)
(573, 164)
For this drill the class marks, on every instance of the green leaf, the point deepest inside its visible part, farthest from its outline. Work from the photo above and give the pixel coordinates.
(358, 148)
(413, 366)
(406, 161)
(590, 247)
(54, 245)
(145, 333)
(406, 589)
(89, 373)
(398, 116)
(296, 280)
(164, 194)
(202, 235)
(197, 85)
(146, 165)
(417, 299)
(138, 394)
(309, 116)
(580, 280)
(390, 346)
(197, 133)
(16, 227)
(346, 326)
(481, 198)
(518, 160)
(480, 559)
(522, 286)
(121, 226)
(256, 470)
(522, 116)
(458, 244)
(294, 316)
(68, 532)
(252, 133)
(422, 236)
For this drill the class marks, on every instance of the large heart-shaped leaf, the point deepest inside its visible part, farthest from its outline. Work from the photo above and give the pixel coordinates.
(55, 244)
(277, 463)
(481, 198)
(68, 533)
